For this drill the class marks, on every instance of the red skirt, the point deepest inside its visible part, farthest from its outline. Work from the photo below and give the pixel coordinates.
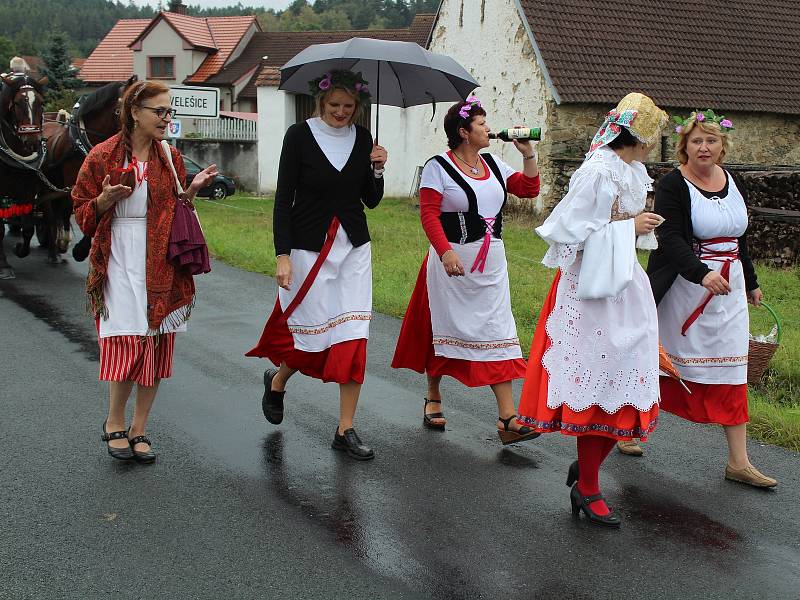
(341, 363)
(141, 359)
(415, 350)
(625, 424)
(708, 403)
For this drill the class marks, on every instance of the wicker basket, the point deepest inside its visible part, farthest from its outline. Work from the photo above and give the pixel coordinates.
(761, 353)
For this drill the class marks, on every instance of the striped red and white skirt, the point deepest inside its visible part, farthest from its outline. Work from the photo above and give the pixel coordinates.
(141, 359)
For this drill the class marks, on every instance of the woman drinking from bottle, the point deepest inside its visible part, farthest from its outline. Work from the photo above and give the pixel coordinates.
(459, 322)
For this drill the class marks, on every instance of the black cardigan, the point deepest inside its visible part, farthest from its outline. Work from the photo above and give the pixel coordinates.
(675, 255)
(311, 192)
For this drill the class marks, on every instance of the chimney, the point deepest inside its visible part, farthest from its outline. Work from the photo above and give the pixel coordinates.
(177, 7)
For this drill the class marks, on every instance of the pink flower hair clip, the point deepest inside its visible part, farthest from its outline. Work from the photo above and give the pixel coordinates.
(471, 102)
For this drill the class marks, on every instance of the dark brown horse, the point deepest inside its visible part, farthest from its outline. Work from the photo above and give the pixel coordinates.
(22, 149)
(94, 119)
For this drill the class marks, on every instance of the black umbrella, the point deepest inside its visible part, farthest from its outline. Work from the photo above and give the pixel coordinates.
(403, 73)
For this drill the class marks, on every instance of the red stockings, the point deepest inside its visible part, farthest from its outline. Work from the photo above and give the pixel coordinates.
(592, 451)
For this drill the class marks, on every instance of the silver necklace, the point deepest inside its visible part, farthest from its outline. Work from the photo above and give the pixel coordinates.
(473, 168)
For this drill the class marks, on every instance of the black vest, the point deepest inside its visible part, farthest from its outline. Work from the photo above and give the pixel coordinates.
(465, 227)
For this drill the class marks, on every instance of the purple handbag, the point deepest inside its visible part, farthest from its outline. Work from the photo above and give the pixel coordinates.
(187, 244)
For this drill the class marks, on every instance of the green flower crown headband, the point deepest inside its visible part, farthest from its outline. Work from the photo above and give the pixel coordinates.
(702, 116)
(346, 79)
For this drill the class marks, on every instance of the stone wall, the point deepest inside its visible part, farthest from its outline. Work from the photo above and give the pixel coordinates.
(237, 160)
(759, 141)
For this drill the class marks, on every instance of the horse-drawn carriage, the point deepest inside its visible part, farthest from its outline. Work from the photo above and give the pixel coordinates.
(40, 159)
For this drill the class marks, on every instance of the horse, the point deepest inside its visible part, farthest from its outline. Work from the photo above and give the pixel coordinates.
(22, 149)
(94, 119)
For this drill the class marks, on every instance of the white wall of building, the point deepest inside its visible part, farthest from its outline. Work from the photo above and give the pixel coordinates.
(489, 40)
(276, 112)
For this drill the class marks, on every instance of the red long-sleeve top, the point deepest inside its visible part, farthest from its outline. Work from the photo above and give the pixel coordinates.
(430, 208)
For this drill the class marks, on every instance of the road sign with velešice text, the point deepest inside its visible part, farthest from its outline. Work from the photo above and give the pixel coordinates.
(194, 101)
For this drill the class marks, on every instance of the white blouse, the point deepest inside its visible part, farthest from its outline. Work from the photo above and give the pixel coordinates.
(488, 191)
(336, 143)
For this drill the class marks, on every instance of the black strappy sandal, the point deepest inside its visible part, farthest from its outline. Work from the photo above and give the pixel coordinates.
(118, 453)
(148, 455)
(427, 419)
(271, 401)
(581, 503)
(509, 436)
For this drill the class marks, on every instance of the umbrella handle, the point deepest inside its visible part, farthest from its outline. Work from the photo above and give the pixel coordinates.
(378, 105)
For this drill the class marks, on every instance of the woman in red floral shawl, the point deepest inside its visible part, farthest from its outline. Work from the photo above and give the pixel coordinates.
(125, 198)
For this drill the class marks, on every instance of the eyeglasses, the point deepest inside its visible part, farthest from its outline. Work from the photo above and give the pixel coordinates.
(161, 113)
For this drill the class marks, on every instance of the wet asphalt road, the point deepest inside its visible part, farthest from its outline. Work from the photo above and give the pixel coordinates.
(237, 508)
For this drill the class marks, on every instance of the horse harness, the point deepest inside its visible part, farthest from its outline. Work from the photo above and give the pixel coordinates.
(7, 155)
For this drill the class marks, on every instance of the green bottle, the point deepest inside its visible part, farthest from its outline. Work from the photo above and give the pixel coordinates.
(522, 134)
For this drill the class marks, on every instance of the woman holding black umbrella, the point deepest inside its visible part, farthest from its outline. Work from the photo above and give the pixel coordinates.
(329, 170)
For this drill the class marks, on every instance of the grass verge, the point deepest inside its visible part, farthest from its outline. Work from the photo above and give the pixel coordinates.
(239, 232)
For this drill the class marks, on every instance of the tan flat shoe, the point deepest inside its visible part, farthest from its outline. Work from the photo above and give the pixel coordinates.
(629, 447)
(750, 476)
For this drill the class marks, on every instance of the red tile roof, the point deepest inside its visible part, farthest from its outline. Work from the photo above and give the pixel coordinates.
(727, 54)
(227, 33)
(112, 60)
(280, 47)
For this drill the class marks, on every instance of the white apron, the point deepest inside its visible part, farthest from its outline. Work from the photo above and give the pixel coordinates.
(604, 348)
(715, 346)
(471, 315)
(125, 292)
(338, 306)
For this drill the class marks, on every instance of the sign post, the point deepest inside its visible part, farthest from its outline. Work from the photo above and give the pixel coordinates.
(194, 101)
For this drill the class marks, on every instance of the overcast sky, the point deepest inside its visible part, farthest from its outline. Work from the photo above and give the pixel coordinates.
(276, 4)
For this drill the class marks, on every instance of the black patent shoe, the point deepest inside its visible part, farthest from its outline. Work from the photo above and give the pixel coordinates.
(573, 473)
(511, 436)
(581, 503)
(350, 442)
(118, 453)
(272, 402)
(146, 456)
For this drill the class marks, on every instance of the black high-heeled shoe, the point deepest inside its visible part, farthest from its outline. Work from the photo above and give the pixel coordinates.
(573, 474)
(581, 503)
(118, 453)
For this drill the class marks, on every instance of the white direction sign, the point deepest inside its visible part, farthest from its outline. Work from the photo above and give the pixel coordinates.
(194, 101)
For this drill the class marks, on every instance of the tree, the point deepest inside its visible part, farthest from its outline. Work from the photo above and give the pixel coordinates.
(6, 53)
(58, 69)
(334, 19)
(24, 42)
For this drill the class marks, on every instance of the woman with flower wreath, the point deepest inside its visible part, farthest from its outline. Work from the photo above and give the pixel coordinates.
(459, 322)
(593, 366)
(329, 170)
(702, 279)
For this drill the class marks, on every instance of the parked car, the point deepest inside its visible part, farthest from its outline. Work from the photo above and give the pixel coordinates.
(221, 186)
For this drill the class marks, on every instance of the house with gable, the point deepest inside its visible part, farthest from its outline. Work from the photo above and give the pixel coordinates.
(176, 49)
